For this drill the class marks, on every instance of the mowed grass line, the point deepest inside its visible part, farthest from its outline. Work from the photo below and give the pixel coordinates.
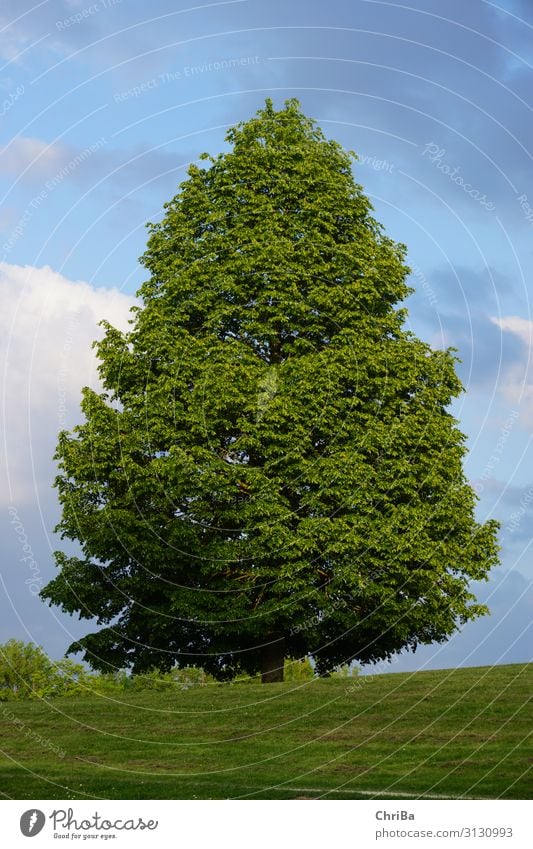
(452, 733)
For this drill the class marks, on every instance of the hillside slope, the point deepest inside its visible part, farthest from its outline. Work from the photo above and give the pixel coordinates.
(451, 733)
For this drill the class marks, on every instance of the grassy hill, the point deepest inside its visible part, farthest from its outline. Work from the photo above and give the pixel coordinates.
(451, 733)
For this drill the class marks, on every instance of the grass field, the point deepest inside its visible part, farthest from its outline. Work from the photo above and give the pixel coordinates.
(451, 733)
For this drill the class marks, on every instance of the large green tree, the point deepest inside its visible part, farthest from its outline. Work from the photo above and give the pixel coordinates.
(271, 469)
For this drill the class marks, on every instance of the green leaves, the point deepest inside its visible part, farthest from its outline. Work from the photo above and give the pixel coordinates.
(272, 454)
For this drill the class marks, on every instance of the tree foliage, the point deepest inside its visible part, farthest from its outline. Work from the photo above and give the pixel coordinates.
(26, 672)
(271, 469)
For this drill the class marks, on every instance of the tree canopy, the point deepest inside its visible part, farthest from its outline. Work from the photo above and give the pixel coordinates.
(271, 469)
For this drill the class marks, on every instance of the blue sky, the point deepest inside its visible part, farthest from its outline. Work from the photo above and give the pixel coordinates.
(102, 108)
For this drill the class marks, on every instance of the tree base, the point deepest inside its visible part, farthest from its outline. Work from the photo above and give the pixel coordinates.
(273, 661)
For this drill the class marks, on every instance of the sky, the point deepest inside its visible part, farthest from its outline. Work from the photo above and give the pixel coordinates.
(103, 106)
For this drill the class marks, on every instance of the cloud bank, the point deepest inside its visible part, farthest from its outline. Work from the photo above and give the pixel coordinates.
(46, 329)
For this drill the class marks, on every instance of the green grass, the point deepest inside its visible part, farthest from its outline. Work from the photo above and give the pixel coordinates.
(451, 733)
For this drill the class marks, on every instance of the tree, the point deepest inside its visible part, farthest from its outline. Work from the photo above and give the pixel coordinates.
(271, 470)
(26, 672)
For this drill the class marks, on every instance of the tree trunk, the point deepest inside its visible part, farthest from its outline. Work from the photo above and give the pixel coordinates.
(272, 660)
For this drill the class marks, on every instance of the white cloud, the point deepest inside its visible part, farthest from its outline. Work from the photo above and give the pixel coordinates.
(12, 40)
(47, 325)
(517, 379)
(24, 22)
(40, 158)
(521, 327)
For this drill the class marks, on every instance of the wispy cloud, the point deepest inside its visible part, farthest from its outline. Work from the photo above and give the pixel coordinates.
(521, 327)
(33, 155)
(517, 379)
